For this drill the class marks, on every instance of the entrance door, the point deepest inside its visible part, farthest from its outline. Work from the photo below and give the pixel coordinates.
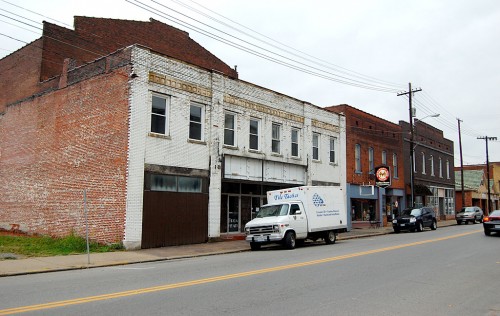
(233, 214)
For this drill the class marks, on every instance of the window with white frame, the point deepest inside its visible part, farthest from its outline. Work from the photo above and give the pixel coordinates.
(371, 165)
(357, 157)
(295, 142)
(440, 168)
(395, 166)
(432, 166)
(160, 105)
(276, 138)
(384, 157)
(423, 163)
(254, 134)
(315, 146)
(447, 169)
(230, 129)
(333, 141)
(196, 118)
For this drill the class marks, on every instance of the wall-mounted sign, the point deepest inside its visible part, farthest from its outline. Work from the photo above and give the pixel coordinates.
(382, 176)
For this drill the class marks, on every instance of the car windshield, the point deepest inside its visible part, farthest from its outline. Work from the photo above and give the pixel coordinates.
(273, 210)
(411, 212)
(468, 210)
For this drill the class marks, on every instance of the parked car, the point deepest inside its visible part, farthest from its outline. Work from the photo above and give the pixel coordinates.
(415, 219)
(468, 214)
(491, 223)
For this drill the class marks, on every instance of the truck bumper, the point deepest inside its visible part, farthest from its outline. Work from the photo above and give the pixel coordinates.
(272, 238)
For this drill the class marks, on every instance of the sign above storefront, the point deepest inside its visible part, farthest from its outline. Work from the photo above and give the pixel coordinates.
(382, 176)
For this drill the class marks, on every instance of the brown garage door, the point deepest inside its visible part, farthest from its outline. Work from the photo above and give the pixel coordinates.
(174, 218)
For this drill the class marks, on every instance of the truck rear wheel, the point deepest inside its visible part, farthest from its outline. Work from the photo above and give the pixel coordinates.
(290, 240)
(330, 237)
(255, 246)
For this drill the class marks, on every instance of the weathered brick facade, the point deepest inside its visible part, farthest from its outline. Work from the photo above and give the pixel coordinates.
(60, 143)
(80, 117)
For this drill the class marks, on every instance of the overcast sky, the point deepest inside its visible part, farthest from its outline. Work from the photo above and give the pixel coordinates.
(343, 52)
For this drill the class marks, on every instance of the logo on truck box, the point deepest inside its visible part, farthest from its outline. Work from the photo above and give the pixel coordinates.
(285, 196)
(318, 200)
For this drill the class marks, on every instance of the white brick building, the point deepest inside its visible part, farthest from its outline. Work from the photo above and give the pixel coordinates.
(204, 149)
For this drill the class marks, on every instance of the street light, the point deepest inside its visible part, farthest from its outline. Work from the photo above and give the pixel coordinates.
(412, 152)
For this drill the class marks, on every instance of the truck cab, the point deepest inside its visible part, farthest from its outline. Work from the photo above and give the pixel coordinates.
(274, 222)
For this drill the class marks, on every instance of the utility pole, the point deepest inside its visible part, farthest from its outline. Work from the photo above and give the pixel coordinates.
(488, 171)
(412, 114)
(461, 163)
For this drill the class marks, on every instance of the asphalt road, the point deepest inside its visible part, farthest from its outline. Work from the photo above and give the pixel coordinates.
(451, 271)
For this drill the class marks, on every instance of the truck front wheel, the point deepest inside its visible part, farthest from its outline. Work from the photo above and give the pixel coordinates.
(330, 237)
(255, 246)
(290, 240)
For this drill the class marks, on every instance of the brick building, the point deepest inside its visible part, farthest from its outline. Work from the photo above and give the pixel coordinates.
(170, 147)
(434, 179)
(372, 142)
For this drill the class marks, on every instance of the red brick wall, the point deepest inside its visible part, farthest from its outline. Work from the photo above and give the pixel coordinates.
(60, 143)
(95, 37)
(20, 74)
(368, 131)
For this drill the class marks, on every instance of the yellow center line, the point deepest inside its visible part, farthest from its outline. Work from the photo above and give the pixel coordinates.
(166, 287)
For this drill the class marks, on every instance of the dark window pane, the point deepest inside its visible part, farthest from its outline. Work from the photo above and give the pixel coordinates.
(228, 137)
(195, 131)
(158, 124)
(159, 105)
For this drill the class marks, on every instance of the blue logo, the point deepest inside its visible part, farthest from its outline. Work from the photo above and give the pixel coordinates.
(317, 200)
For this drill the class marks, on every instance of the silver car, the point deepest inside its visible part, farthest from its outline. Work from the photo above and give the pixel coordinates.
(468, 214)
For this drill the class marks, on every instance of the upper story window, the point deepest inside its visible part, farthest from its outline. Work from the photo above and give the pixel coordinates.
(371, 165)
(357, 157)
(229, 129)
(254, 134)
(315, 146)
(432, 166)
(276, 138)
(160, 106)
(440, 167)
(295, 142)
(196, 121)
(384, 158)
(423, 163)
(333, 141)
(395, 170)
(447, 169)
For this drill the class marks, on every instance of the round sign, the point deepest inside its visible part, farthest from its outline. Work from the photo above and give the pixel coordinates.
(382, 174)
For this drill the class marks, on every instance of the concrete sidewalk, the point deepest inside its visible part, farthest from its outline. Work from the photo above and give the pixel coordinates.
(11, 267)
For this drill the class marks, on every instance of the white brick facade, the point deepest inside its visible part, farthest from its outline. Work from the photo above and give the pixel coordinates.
(182, 84)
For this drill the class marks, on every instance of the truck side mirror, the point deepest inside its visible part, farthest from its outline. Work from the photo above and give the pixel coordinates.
(298, 212)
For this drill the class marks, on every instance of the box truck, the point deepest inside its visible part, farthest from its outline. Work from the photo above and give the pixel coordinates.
(296, 214)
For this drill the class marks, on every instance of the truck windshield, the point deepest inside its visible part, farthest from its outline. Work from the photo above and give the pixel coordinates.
(273, 210)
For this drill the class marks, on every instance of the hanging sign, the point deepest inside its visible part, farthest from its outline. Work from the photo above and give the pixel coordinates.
(382, 176)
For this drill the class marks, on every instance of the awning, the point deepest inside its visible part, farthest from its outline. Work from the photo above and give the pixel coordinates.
(421, 189)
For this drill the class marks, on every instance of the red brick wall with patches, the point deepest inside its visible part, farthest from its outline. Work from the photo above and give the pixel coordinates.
(95, 37)
(54, 146)
(368, 131)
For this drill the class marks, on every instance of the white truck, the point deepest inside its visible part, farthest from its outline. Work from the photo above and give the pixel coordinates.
(295, 214)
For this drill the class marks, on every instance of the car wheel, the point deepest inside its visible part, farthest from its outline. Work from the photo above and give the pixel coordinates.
(290, 240)
(255, 245)
(434, 225)
(487, 232)
(420, 227)
(459, 223)
(330, 237)
(397, 230)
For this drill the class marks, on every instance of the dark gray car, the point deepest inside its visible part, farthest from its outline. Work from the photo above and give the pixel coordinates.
(469, 214)
(415, 219)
